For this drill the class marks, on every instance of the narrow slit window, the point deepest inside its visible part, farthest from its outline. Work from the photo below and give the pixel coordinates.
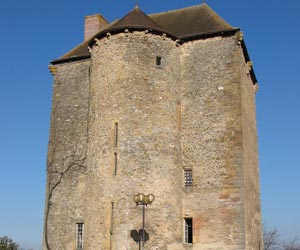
(116, 134)
(158, 60)
(188, 177)
(111, 230)
(179, 115)
(188, 230)
(115, 163)
(79, 235)
(112, 218)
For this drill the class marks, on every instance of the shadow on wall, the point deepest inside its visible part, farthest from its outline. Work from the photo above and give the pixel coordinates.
(137, 236)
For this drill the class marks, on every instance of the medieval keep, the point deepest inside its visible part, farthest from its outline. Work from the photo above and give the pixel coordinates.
(160, 104)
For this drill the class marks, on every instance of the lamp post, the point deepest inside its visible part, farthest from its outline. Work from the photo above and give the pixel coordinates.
(143, 200)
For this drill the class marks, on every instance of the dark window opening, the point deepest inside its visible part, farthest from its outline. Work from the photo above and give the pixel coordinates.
(115, 162)
(158, 61)
(188, 177)
(116, 134)
(112, 218)
(188, 230)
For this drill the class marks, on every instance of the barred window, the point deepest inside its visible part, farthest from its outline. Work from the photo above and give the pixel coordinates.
(188, 177)
(79, 235)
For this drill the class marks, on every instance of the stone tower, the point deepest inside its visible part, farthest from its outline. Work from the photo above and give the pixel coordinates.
(162, 104)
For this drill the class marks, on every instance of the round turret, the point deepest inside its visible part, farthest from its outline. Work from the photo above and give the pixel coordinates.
(134, 135)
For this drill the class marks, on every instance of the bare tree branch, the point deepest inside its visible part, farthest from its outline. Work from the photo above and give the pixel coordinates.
(74, 162)
(293, 245)
(271, 238)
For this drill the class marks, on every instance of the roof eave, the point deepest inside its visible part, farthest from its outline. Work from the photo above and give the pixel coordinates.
(247, 59)
(70, 59)
(213, 33)
(183, 39)
(121, 29)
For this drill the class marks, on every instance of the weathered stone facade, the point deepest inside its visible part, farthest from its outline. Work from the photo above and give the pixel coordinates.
(66, 168)
(123, 123)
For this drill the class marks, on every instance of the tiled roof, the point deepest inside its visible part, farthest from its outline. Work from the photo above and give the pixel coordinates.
(186, 23)
(134, 20)
(191, 21)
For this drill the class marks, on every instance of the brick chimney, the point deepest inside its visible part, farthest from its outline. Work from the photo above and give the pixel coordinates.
(93, 24)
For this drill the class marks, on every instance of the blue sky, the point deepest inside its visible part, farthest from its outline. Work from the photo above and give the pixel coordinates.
(34, 32)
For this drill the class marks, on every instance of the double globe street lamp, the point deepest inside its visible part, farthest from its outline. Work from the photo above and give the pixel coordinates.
(143, 200)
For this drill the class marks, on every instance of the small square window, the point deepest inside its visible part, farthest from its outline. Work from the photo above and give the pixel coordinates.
(158, 61)
(188, 230)
(188, 177)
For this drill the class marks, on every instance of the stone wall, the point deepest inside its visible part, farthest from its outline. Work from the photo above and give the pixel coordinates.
(128, 88)
(252, 205)
(66, 164)
(212, 142)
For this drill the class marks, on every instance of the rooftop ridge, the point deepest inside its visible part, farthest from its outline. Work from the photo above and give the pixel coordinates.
(135, 11)
(200, 6)
(168, 11)
(218, 16)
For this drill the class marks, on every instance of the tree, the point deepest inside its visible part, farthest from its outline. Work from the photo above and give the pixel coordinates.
(293, 245)
(271, 238)
(74, 162)
(8, 244)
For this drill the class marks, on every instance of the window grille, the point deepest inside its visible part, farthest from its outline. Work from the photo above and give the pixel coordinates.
(79, 235)
(188, 177)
